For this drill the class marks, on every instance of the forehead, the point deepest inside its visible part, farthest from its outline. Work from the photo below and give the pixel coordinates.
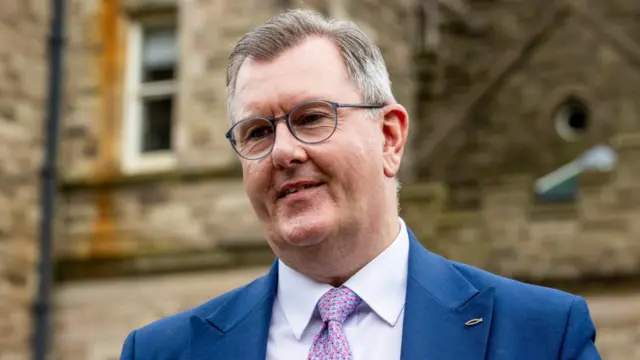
(313, 69)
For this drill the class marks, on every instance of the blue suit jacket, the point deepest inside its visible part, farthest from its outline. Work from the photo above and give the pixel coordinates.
(519, 321)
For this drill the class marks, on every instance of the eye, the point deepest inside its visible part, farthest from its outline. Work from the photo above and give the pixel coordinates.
(312, 115)
(310, 118)
(258, 132)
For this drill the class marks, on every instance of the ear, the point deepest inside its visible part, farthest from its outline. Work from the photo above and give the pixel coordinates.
(395, 126)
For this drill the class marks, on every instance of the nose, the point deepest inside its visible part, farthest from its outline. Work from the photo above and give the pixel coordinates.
(287, 150)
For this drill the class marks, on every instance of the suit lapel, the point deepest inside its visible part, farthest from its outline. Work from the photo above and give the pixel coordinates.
(239, 329)
(446, 317)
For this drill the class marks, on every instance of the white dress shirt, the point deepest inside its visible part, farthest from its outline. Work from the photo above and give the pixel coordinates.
(374, 329)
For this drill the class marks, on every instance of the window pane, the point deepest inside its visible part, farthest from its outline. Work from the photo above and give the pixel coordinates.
(156, 125)
(159, 53)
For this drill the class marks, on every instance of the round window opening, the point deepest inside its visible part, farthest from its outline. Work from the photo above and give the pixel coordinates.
(572, 119)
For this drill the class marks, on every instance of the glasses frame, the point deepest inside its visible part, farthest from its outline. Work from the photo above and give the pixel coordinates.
(286, 117)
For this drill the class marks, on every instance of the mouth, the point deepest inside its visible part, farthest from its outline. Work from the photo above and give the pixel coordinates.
(297, 188)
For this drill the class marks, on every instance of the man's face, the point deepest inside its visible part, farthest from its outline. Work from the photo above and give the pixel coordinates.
(344, 177)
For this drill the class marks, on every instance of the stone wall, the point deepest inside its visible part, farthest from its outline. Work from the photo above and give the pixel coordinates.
(502, 119)
(162, 216)
(617, 319)
(463, 47)
(623, 12)
(513, 235)
(472, 38)
(559, 67)
(23, 30)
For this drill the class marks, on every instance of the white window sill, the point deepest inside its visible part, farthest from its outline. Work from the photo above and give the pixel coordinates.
(149, 163)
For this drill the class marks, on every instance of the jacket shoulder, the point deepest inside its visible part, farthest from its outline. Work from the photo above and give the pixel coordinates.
(559, 321)
(525, 300)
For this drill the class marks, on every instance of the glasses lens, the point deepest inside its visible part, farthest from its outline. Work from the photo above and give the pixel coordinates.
(313, 122)
(253, 138)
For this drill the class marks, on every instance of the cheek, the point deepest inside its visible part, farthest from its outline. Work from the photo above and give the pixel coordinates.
(365, 152)
(256, 181)
(350, 165)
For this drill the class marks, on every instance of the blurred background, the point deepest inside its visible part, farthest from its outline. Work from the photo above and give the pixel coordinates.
(524, 156)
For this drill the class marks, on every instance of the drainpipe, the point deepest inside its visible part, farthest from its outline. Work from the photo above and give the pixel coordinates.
(49, 184)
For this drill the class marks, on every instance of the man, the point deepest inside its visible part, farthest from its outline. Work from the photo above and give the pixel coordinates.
(320, 138)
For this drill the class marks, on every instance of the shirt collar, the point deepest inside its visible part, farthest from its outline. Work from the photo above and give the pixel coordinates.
(381, 284)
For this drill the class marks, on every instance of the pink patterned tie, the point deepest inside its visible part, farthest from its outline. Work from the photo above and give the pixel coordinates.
(334, 307)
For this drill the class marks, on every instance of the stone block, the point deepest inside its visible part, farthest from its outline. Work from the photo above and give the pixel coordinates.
(173, 216)
(10, 11)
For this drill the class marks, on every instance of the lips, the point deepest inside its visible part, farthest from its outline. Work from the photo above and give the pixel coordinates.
(293, 188)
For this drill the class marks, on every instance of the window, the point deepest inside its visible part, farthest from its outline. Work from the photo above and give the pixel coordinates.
(150, 96)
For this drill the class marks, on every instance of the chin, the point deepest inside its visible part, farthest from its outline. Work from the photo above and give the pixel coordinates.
(304, 230)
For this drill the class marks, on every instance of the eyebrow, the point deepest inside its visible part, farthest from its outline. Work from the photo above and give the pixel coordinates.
(288, 105)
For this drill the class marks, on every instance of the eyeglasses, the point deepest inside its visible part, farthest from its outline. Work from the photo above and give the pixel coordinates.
(310, 122)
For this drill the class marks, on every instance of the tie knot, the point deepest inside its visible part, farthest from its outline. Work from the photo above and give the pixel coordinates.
(337, 304)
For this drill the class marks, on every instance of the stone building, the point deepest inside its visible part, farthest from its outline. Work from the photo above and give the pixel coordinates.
(23, 30)
(523, 158)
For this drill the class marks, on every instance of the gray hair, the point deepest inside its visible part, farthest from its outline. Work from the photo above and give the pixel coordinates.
(365, 66)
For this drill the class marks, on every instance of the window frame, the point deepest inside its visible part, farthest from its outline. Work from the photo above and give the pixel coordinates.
(134, 160)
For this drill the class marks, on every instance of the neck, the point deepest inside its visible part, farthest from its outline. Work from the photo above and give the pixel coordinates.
(336, 260)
